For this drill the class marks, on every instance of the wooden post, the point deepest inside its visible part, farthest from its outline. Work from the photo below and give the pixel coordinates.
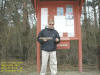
(80, 55)
(38, 45)
(79, 43)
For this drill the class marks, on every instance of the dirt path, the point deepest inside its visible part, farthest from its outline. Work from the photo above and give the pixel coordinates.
(59, 73)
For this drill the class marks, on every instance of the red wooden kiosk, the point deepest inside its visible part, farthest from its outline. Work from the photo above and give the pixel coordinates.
(66, 15)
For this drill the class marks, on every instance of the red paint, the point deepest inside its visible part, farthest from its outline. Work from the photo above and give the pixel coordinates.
(65, 42)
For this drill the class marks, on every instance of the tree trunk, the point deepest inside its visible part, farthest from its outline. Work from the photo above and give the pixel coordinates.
(95, 14)
(26, 30)
(85, 14)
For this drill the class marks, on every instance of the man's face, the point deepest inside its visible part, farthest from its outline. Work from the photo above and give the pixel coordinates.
(51, 25)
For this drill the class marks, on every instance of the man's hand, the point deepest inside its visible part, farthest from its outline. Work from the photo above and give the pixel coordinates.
(45, 40)
(57, 39)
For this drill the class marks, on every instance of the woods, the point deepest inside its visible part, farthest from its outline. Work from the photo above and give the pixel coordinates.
(18, 32)
(17, 35)
(90, 29)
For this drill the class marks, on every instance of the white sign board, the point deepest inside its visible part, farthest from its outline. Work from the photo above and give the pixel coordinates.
(62, 26)
(65, 24)
(44, 17)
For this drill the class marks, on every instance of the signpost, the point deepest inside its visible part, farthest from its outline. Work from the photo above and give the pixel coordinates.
(66, 15)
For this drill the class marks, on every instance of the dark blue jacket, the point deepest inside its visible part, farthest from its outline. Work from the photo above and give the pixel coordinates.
(49, 45)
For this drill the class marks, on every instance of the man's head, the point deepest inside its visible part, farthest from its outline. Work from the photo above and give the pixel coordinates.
(51, 24)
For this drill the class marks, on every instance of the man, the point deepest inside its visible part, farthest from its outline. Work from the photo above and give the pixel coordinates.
(48, 39)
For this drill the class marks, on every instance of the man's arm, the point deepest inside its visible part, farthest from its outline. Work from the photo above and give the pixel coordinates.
(43, 39)
(39, 36)
(57, 37)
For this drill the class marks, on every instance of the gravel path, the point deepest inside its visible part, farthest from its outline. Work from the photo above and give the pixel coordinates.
(59, 73)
